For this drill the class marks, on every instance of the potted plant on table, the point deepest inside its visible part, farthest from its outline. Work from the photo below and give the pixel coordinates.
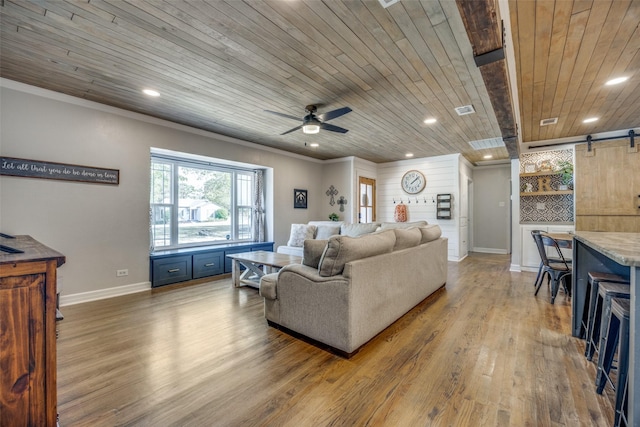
(565, 169)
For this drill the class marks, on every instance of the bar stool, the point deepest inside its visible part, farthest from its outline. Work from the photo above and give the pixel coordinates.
(595, 310)
(617, 333)
(606, 293)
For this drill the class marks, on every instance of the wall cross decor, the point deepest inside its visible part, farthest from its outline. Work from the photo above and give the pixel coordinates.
(332, 192)
(342, 201)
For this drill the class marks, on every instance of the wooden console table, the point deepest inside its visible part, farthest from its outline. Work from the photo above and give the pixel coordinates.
(28, 327)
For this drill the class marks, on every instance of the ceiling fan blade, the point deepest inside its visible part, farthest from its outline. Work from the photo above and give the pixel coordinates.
(333, 128)
(335, 113)
(292, 130)
(283, 115)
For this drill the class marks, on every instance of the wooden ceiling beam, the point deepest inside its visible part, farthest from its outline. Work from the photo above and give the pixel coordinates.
(484, 30)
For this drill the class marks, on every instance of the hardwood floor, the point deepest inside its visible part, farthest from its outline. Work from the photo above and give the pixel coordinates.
(483, 351)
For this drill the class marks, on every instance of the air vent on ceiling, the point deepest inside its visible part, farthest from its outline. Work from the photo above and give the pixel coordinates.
(482, 144)
(387, 3)
(547, 122)
(464, 110)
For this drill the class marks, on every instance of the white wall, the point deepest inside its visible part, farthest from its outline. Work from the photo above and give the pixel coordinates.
(492, 209)
(102, 228)
(442, 173)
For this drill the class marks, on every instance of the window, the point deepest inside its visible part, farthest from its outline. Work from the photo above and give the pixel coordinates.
(196, 202)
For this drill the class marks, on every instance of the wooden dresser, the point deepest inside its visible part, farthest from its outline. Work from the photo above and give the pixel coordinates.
(28, 332)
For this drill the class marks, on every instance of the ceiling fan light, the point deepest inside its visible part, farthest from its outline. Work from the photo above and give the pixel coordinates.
(311, 128)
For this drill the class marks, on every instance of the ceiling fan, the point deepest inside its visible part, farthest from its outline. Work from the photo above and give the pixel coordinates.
(312, 123)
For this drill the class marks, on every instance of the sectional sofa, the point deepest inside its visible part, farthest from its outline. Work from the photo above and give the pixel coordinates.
(349, 289)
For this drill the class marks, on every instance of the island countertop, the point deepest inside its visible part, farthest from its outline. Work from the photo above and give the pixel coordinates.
(623, 248)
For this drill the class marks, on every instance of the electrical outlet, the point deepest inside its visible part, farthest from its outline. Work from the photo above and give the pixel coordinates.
(121, 273)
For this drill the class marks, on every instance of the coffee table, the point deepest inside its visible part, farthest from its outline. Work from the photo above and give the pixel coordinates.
(257, 263)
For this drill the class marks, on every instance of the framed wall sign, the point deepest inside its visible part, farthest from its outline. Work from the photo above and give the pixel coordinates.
(27, 168)
(299, 199)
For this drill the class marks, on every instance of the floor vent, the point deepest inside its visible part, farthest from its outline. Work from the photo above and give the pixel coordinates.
(483, 144)
(464, 110)
(387, 3)
(547, 122)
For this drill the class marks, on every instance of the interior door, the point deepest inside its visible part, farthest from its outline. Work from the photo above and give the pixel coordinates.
(367, 200)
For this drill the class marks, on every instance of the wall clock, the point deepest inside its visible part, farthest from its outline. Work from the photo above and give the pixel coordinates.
(413, 182)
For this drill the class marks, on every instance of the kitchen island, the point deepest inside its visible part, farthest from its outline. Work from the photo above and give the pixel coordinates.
(618, 253)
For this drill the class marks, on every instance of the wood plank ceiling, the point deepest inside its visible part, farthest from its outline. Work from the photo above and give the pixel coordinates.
(565, 52)
(219, 64)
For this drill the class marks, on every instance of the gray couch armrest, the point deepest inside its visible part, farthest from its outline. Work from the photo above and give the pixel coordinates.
(307, 272)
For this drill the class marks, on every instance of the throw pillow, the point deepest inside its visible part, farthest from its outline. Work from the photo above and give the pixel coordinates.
(312, 252)
(326, 231)
(300, 233)
(343, 249)
(430, 232)
(407, 238)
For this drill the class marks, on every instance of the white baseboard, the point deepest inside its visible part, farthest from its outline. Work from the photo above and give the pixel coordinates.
(103, 293)
(490, 251)
(515, 268)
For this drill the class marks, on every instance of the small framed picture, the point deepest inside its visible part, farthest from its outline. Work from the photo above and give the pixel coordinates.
(530, 168)
(299, 199)
(545, 166)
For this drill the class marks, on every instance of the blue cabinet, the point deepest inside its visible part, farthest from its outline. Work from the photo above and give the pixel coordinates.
(208, 264)
(171, 270)
(180, 265)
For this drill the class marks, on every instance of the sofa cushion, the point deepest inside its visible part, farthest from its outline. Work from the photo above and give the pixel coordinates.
(329, 223)
(407, 238)
(300, 233)
(390, 225)
(358, 229)
(343, 249)
(430, 232)
(326, 231)
(312, 252)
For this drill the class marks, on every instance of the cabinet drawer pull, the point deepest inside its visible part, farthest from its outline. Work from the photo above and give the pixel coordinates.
(211, 264)
(173, 270)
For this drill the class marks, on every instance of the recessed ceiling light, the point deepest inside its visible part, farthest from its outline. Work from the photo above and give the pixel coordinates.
(409, 155)
(430, 121)
(590, 120)
(314, 144)
(616, 81)
(487, 156)
(151, 92)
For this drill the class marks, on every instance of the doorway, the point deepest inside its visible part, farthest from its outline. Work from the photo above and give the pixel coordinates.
(367, 199)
